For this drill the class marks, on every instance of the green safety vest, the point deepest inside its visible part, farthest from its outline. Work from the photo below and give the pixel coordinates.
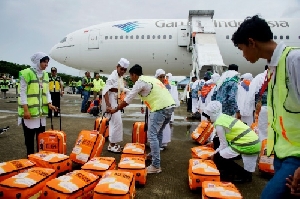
(98, 84)
(4, 85)
(74, 83)
(241, 137)
(78, 83)
(36, 96)
(87, 80)
(159, 97)
(283, 114)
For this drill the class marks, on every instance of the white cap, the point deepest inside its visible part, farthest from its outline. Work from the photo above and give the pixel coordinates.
(247, 76)
(124, 63)
(159, 72)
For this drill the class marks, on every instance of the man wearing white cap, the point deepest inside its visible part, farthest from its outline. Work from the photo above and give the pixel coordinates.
(112, 92)
(245, 106)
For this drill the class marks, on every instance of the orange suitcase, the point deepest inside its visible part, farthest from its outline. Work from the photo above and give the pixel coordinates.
(135, 165)
(53, 140)
(115, 185)
(89, 144)
(134, 150)
(99, 165)
(220, 190)
(47, 159)
(202, 132)
(73, 185)
(101, 125)
(26, 185)
(139, 135)
(202, 152)
(265, 163)
(200, 171)
(13, 167)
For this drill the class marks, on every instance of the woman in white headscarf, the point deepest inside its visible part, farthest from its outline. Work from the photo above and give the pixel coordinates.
(161, 75)
(34, 99)
(174, 93)
(236, 138)
(245, 106)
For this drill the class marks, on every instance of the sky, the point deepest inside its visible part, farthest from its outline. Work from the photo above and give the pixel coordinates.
(29, 26)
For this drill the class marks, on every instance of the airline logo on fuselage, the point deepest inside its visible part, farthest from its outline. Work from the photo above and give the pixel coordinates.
(129, 26)
(217, 24)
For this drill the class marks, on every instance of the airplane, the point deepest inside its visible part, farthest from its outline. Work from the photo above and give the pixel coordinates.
(154, 43)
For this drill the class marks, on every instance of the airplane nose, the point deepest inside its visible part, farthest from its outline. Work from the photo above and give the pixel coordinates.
(55, 54)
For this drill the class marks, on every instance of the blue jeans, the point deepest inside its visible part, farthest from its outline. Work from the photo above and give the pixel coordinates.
(276, 187)
(158, 121)
(86, 95)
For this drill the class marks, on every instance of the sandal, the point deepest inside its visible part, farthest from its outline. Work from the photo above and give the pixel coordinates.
(115, 149)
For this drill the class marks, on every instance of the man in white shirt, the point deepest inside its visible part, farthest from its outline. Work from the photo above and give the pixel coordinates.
(255, 38)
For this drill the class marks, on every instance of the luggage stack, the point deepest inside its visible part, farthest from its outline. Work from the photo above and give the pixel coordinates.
(134, 150)
(202, 132)
(202, 152)
(99, 165)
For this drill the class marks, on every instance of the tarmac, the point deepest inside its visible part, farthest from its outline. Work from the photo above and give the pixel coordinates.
(171, 183)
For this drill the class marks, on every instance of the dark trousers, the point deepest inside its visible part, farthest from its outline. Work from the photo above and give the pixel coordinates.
(189, 104)
(55, 97)
(29, 137)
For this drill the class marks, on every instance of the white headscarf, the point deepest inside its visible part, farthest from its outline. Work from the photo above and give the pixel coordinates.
(169, 75)
(35, 65)
(215, 77)
(159, 72)
(247, 76)
(213, 110)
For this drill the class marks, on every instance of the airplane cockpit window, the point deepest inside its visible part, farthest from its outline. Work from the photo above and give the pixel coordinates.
(121, 37)
(227, 36)
(170, 36)
(153, 37)
(164, 37)
(116, 37)
(158, 36)
(63, 40)
(287, 37)
(281, 37)
(137, 37)
(275, 37)
(106, 37)
(142, 37)
(148, 36)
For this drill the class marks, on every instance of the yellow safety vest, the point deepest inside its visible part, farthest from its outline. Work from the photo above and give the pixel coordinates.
(98, 84)
(36, 93)
(283, 114)
(159, 97)
(241, 137)
(54, 84)
(87, 80)
(4, 84)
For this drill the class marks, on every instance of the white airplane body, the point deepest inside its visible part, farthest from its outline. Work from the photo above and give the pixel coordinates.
(153, 44)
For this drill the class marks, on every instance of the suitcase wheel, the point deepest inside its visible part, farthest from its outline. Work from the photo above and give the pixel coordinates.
(18, 195)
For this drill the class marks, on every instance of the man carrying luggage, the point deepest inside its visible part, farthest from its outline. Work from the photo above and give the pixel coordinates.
(161, 105)
(56, 90)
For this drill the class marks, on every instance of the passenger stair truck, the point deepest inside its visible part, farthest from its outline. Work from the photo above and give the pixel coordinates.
(200, 39)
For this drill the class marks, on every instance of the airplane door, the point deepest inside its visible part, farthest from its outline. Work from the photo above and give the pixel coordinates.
(182, 35)
(94, 39)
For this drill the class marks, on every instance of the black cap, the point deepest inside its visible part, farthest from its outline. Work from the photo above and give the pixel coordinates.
(233, 67)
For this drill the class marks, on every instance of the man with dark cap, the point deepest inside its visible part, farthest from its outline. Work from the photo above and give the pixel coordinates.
(226, 91)
(56, 90)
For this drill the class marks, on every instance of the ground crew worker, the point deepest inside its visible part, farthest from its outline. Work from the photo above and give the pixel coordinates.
(79, 87)
(17, 85)
(98, 86)
(189, 94)
(236, 138)
(74, 83)
(86, 84)
(161, 105)
(4, 85)
(255, 38)
(56, 90)
(34, 99)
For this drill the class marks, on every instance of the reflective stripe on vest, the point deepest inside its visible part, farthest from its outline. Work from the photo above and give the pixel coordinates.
(4, 85)
(36, 94)
(283, 113)
(87, 80)
(159, 97)
(54, 84)
(241, 137)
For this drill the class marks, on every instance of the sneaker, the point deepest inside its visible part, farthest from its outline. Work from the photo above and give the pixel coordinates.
(152, 169)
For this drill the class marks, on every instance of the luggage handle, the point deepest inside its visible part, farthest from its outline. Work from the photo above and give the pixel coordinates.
(58, 110)
(146, 120)
(107, 119)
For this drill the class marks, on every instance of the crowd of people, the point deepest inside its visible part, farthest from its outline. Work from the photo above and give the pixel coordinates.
(228, 100)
